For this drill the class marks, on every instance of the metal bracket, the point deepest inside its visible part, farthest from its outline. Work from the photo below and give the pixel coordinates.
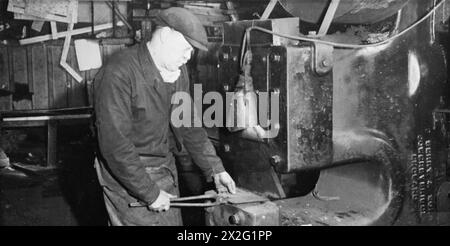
(323, 58)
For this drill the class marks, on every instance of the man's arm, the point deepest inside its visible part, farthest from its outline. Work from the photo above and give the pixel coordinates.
(195, 139)
(196, 142)
(114, 126)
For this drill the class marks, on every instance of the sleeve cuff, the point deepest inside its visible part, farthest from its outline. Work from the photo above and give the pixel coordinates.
(152, 196)
(217, 168)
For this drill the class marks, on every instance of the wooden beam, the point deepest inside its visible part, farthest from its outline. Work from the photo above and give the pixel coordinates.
(52, 143)
(54, 29)
(47, 117)
(65, 52)
(63, 34)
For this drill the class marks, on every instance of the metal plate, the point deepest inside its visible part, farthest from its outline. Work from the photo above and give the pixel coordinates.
(443, 198)
(358, 12)
(243, 197)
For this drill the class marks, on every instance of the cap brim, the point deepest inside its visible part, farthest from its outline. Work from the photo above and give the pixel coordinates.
(196, 44)
(161, 22)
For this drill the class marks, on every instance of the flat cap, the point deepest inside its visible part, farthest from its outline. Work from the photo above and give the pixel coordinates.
(185, 22)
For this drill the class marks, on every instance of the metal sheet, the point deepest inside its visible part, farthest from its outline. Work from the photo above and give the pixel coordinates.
(358, 12)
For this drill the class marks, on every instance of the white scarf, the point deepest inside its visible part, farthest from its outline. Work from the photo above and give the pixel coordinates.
(168, 76)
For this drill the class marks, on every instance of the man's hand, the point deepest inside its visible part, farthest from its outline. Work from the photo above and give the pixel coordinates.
(162, 203)
(224, 183)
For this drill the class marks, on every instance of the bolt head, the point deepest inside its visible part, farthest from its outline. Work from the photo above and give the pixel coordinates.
(227, 148)
(277, 58)
(276, 159)
(225, 56)
(234, 219)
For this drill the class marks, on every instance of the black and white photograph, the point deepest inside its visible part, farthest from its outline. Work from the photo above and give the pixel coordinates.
(257, 114)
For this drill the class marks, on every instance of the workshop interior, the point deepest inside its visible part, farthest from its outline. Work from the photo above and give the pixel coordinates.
(363, 132)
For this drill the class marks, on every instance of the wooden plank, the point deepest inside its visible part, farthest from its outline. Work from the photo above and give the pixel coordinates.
(90, 77)
(40, 76)
(52, 143)
(57, 80)
(21, 97)
(47, 118)
(54, 29)
(76, 91)
(30, 82)
(63, 34)
(5, 99)
(65, 52)
(51, 99)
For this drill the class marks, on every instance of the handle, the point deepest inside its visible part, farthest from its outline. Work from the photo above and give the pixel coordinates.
(198, 205)
(181, 199)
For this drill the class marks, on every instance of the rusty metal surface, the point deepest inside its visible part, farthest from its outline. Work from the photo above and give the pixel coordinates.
(256, 214)
(309, 114)
(310, 211)
(304, 141)
(349, 11)
(383, 110)
(390, 132)
(233, 32)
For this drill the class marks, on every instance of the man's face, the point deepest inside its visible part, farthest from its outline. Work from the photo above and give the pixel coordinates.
(177, 51)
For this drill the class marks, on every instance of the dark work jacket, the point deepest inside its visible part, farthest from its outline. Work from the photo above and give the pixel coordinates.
(133, 109)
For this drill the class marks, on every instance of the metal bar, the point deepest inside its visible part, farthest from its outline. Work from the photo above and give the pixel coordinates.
(447, 111)
(175, 202)
(277, 181)
(114, 18)
(198, 205)
(92, 19)
(190, 198)
(269, 9)
(120, 15)
(329, 16)
(63, 34)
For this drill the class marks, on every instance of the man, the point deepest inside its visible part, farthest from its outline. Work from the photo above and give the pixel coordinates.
(133, 94)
